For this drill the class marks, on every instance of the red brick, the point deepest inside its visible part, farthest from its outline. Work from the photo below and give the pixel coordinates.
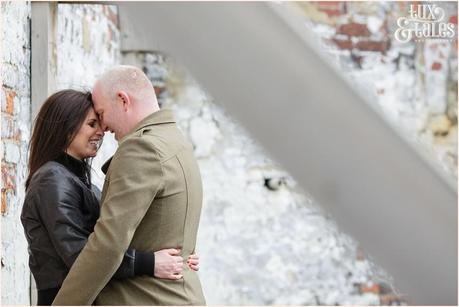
(379, 46)
(354, 29)
(10, 101)
(158, 90)
(436, 66)
(4, 207)
(343, 44)
(8, 177)
(453, 19)
(332, 13)
(112, 16)
(370, 289)
(10, 128)
(331, 8)
(328, 4)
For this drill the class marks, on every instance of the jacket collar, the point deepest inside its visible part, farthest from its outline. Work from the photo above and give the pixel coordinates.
(76, 166)
(163, 116)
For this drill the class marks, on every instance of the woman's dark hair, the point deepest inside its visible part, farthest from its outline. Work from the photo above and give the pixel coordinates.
(55, 126)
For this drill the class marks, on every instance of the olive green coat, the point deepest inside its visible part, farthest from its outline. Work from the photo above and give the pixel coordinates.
(151, 200)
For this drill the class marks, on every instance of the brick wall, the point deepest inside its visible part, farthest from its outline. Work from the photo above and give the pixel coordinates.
(87, 43)
(413, 83)
(16, 124)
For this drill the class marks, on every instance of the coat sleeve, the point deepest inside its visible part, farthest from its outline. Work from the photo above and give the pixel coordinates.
(135, 177)
(135, 263)
(63, 220)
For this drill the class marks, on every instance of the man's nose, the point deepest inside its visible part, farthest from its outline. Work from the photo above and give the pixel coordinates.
(100, 131)
(104, 127)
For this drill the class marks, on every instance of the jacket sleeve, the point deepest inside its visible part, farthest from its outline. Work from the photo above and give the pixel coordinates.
(63, 219)
(61, 215)
(136, 263)
(134, 178)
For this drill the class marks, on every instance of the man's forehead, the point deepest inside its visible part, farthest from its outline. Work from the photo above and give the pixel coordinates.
(96, 99)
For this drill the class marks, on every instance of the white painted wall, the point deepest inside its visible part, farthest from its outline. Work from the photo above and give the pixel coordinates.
(88, 44)
(257, 246)
(16, 125)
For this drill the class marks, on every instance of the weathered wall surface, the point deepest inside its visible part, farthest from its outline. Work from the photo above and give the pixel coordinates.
(414, 83)
(16, 123)
(276, 247)
(262, 240)
(88, 44)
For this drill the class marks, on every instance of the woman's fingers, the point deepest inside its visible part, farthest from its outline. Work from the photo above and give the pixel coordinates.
(169, 264)
(193, 261)
(194, 267)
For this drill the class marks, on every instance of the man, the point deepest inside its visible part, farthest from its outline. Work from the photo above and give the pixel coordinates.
(151, 199)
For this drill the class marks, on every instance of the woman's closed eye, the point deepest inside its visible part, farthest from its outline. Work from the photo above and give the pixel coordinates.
(93, 123)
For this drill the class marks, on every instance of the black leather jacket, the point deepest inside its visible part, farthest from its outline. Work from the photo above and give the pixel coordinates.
(59, 213)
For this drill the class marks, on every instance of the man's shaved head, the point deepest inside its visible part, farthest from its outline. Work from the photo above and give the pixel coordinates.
(122, 97)
(129, 79)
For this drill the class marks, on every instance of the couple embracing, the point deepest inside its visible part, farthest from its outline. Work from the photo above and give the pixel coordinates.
(133, 243)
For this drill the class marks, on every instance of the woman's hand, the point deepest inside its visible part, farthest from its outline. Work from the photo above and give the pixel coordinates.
(193, 262)
(168, 264)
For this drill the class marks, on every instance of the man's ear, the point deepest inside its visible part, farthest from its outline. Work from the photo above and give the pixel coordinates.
(124, 99)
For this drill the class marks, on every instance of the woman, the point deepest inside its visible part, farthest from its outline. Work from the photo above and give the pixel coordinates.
(61, 206)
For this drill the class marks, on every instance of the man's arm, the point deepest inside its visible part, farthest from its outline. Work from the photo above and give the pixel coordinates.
(135, 178)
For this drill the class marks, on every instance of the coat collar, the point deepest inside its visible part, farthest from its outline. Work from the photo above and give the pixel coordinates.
(163, 116)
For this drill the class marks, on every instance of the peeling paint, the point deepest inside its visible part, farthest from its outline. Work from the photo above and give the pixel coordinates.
(15, 134)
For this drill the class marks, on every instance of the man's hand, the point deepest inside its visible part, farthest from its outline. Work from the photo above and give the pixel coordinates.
(168, 264)
(193, 262)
